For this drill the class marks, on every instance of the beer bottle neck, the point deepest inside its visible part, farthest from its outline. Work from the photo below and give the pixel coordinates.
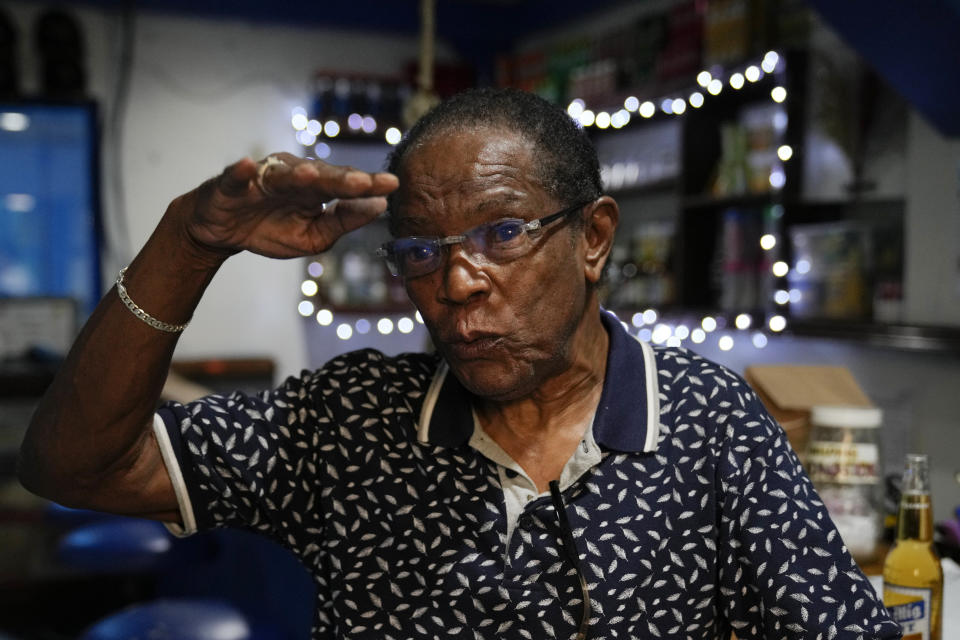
(915, 518)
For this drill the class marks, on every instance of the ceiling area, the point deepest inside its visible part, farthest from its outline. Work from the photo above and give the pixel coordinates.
(914, 46)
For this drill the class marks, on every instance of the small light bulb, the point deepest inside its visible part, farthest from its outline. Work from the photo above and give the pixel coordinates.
(759, 340)
(679, 106)
(331, 128)
(385, 326)
(299, 121)
(306, 138)
(393, 135)
(715, 87)
(603, 120)
(696, 100)
(362, 326)
(704, 78)
(587, 118)
(324, 317)
(777, 178)
(780, 268)
(305, 308)
(768, 241)
(752, 73)
(631, 103)
(785, 152)
(770, 61)
(708, 324)
(620, 119)
(743, 321)
(575, 108)
(405, 325)
(647, 109)
(737, 80)
(698, 335)
(779, 94)
(777, 323)
(344, 331)
(660, 334)
(725, 343)
(309, 288)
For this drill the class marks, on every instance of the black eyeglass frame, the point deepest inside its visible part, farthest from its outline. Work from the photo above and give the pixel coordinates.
(388, 253)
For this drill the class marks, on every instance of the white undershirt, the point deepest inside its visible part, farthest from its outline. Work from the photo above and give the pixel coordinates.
(518, 488)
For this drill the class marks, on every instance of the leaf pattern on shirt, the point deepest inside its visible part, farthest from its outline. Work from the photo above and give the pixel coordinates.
(717, 529)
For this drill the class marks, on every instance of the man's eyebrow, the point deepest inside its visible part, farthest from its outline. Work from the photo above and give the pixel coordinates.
(499, 202)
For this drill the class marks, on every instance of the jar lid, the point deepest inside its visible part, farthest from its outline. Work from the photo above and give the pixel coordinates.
(846, 416)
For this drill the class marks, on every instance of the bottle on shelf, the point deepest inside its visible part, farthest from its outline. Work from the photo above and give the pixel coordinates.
(912, 575)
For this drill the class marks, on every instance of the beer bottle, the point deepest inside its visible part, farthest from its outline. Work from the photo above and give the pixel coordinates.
(912, 575)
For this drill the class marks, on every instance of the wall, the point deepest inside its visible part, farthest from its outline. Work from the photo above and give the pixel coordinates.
(932, 278)
(204, 93)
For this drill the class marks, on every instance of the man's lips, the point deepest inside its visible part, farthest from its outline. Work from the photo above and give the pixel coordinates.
(474, 345)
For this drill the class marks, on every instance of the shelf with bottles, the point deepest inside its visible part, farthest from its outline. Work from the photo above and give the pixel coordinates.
(842, 262)
(722, 152)
(740, 147)
(350, 278)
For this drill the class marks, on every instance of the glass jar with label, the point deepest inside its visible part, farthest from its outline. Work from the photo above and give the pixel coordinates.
(844, 462)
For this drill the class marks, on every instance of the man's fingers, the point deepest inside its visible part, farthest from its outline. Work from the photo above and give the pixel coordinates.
(235, 179)
(311, 180)
(353, 213)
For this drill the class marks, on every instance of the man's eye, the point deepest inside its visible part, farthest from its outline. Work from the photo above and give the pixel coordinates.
(505, 232)
(420, 253)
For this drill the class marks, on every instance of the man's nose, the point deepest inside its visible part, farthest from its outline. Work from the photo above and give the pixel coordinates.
(464, 277)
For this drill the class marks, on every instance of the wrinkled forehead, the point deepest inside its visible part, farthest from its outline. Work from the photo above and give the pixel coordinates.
(466, 168)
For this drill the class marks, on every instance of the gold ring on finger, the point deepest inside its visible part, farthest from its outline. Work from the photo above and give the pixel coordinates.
(269, 161)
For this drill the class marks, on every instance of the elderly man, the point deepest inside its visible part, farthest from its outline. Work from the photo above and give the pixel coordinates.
(543, 475)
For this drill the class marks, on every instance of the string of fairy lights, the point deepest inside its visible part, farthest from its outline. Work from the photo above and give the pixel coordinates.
(726, 330)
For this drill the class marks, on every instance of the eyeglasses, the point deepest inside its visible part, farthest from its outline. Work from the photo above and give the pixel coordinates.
(497, 242)
(570, 547)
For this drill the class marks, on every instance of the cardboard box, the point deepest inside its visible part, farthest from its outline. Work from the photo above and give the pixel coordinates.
(790, 391)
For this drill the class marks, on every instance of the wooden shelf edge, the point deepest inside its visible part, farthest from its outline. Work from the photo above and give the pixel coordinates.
(922, 338)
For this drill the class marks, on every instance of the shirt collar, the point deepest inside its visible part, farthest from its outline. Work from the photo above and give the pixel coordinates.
(627, 417)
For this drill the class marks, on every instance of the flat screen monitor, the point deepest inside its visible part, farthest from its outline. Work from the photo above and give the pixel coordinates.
(50, 228)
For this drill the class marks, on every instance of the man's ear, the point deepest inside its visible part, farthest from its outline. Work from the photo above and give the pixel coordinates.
(599, 228)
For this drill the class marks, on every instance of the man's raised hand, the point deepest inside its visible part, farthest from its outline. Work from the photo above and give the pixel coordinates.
(282, 207)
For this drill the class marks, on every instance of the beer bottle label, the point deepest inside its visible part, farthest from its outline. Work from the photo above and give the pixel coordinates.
(910, 607)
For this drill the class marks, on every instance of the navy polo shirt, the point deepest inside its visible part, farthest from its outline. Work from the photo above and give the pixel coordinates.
(694, 519)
